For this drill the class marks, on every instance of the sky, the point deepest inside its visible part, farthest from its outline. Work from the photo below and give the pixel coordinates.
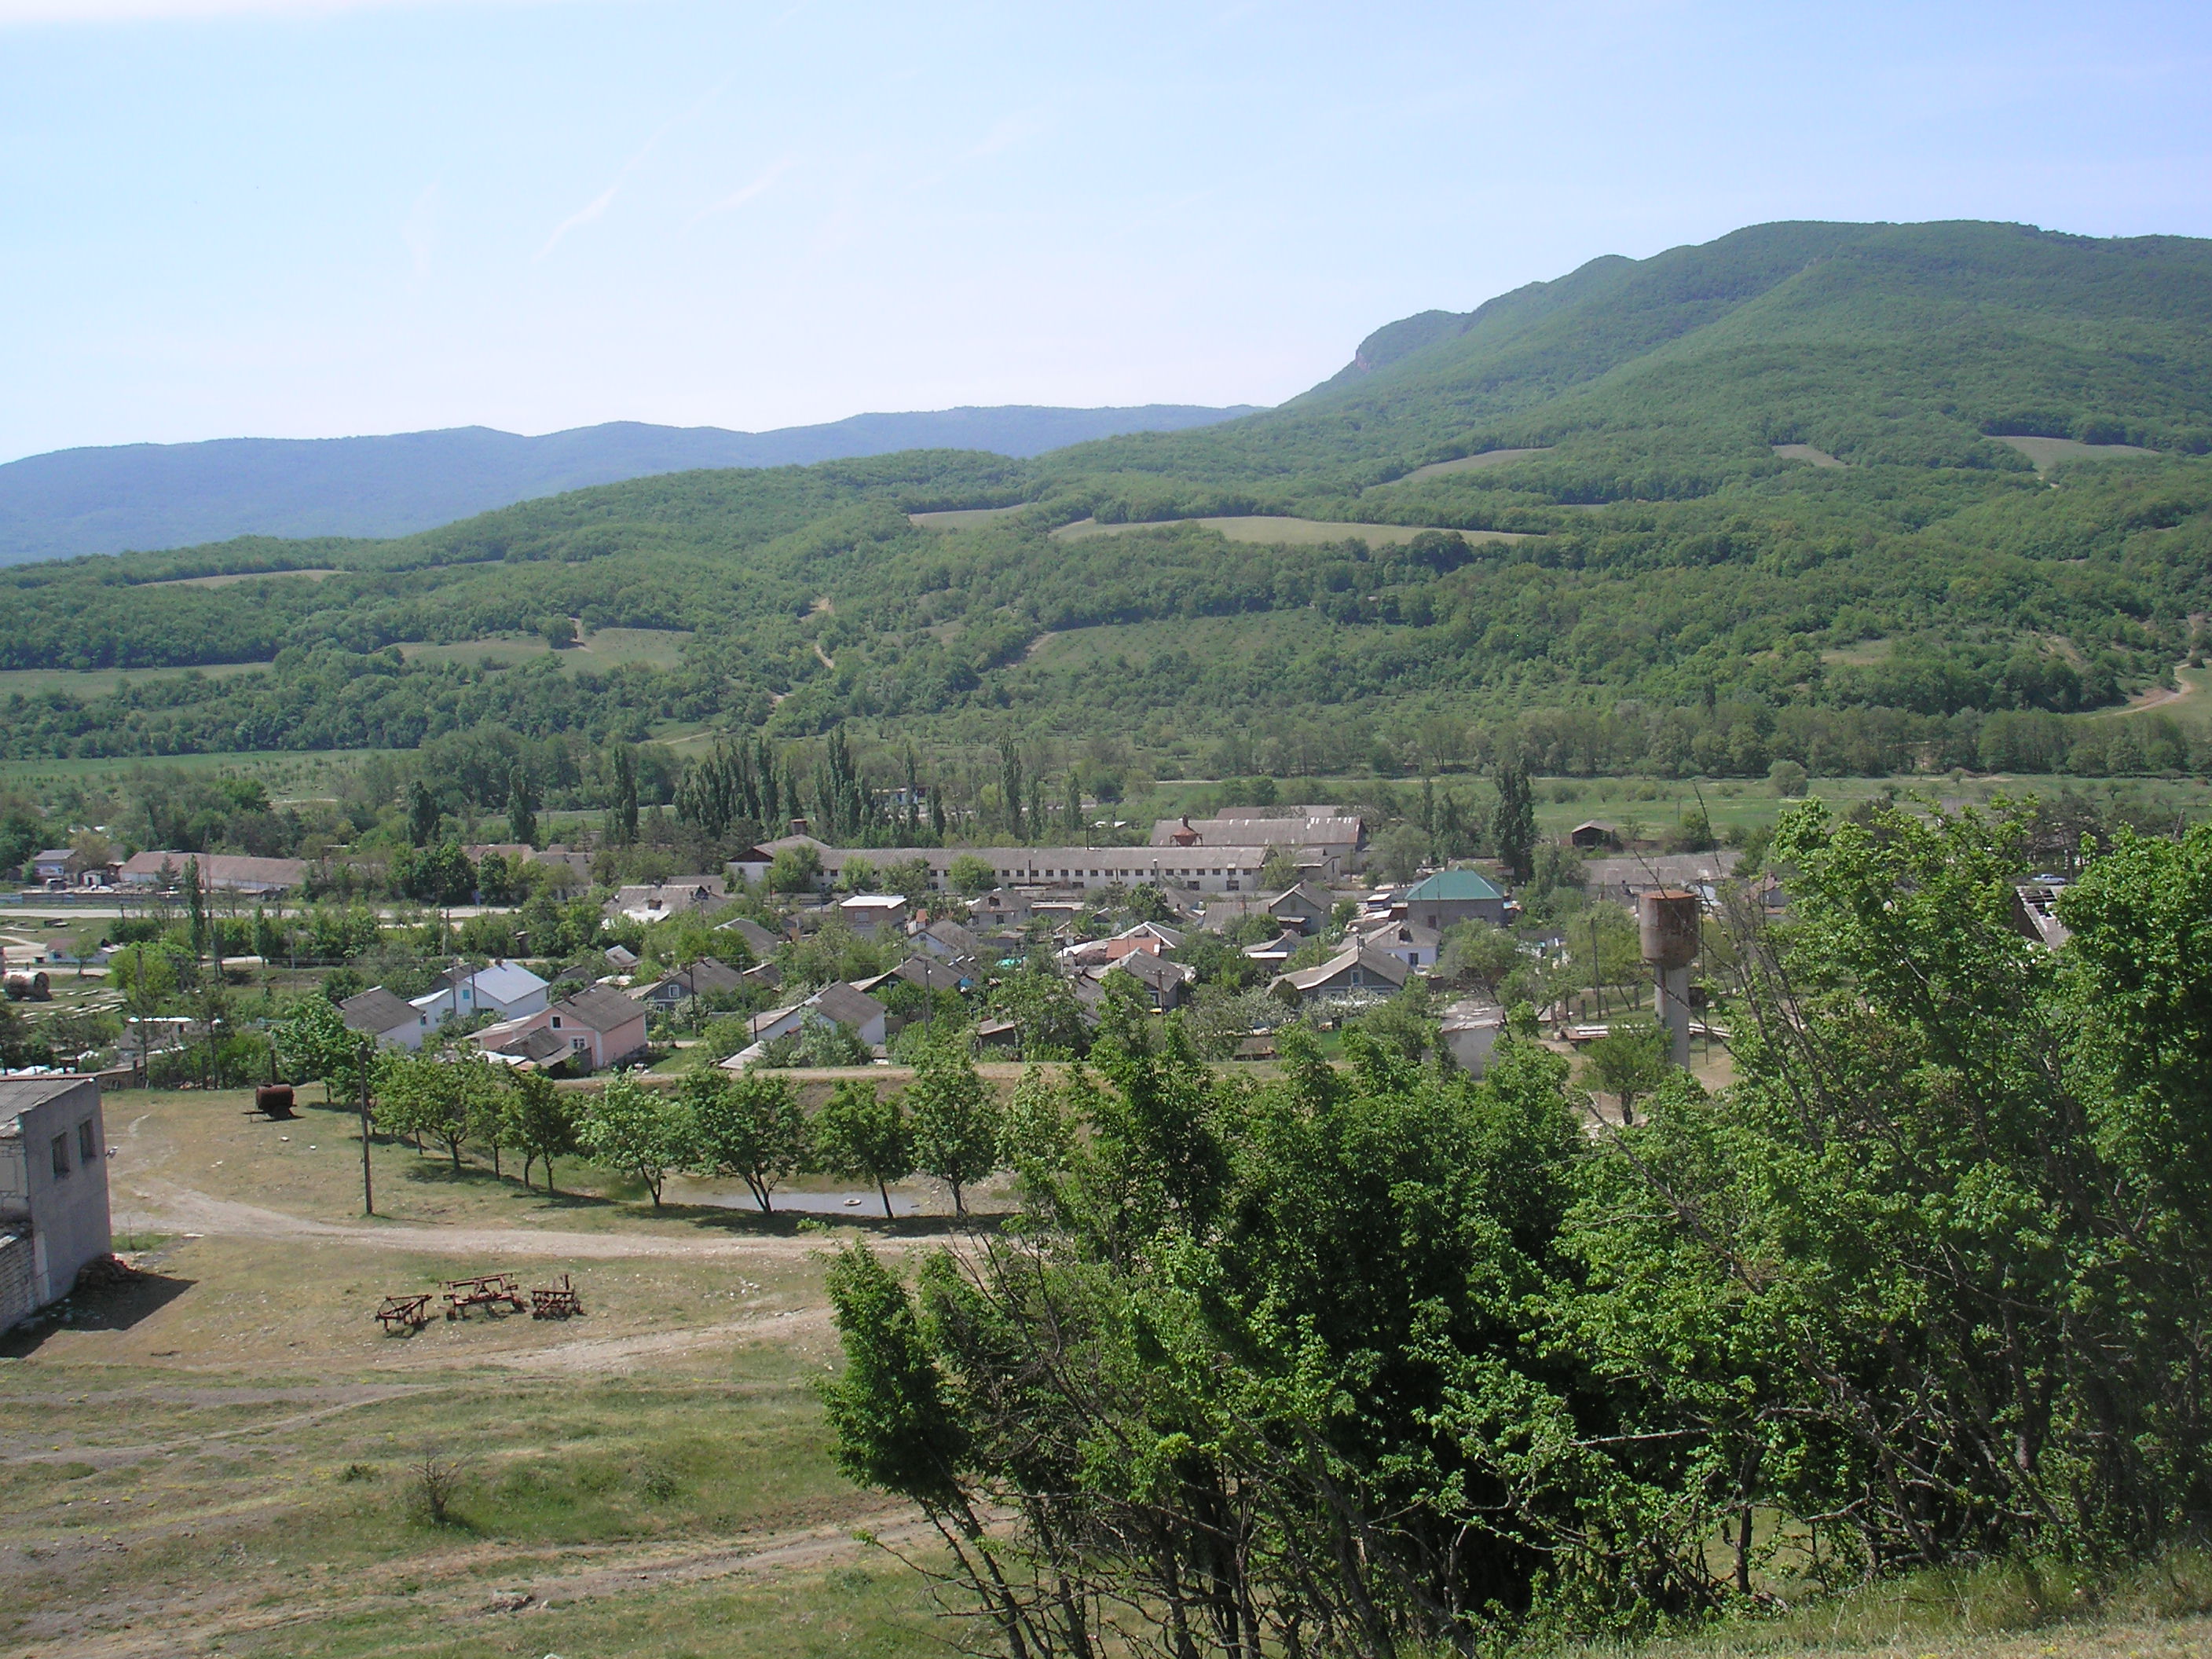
(309, 218)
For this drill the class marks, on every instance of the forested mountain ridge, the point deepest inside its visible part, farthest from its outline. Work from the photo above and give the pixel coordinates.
(1897, 344)
(76, 502)
(1681, 596)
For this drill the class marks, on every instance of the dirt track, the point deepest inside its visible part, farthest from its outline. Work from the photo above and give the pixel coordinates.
(151, 1204)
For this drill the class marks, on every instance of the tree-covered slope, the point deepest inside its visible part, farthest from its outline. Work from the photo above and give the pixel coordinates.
(1678, 596)
(159, 496)
(1907, 344)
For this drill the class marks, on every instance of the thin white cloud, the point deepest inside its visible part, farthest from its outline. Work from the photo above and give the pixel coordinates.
(599, 203)
(738, 199)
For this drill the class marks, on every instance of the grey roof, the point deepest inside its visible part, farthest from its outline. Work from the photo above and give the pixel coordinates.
(376, 1010)
(20, 1094)
(599, 1009)
(757, 938)
(928, 973)
(1385, 966)
(1221, 833)
(961, 941)
(848, 1006)
(503, 982)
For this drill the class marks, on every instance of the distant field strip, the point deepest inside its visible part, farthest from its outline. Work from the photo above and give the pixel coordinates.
(1489, 458)
(1807, 453)
(962, 518)
(661, 647)
(234, 577)
(1289, 532)
(99, 681)
(2047, 452)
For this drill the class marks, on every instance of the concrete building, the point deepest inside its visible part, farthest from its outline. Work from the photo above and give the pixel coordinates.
(871, 914)
(220, 872)
(53, 1189)
(1206, 869)
(1330, 844)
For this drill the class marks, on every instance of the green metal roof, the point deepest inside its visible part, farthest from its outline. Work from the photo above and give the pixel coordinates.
(1455, 885)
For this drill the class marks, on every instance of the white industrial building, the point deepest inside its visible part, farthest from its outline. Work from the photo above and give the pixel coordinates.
(53, 1189)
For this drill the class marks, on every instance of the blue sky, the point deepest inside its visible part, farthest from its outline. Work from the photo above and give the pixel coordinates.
(221, 218)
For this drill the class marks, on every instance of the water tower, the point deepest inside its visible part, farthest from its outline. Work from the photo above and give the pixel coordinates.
(1667, 923)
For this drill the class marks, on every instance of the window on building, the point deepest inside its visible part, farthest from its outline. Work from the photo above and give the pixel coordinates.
(87, 1148)
(61, 1155)
(578, 1044)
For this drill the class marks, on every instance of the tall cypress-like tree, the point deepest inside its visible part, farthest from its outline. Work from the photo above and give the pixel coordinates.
(625, 812)
(1513, 825)
(1009, 786)
(423, 814)
(521, 809)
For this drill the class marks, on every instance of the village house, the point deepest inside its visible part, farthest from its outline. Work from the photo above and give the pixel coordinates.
(53, 1189)
(948, 941)
(59, 867)
(1354, 973)
(1592, 835)
(599, 1026)
(1161, 980)
(647, 902)
(377, 1013)
(834, 1005)
(1411, 943)
(707, 977)
(1455, 895)
(871, 914)
(1304, 907)
(758, 940)
(1470, 1032)
(1277, 951)
(504, 990)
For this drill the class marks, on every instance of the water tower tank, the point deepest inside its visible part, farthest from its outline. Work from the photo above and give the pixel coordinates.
(1667, 922)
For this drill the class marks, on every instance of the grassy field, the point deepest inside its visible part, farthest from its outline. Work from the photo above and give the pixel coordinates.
(609, 648)
(313, 574)
(99, 682)
(2047, 452)
(289, 776)
(962, 518)
(1284, 532)
(1482, 463)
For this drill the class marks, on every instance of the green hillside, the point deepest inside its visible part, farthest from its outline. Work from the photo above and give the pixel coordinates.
(1680, 598)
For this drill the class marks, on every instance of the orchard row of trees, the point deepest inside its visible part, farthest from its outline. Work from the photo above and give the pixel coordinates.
(947, 1123)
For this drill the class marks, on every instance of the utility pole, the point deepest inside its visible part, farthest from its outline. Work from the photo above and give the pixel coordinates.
(1597, 982)
(368, 1189)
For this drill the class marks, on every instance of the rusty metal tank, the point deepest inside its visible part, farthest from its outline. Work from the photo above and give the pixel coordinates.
(1667, 922)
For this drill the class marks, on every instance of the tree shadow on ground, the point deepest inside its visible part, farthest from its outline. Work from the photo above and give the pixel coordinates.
(797, 1223)
(436, 1171)
(108, 1296)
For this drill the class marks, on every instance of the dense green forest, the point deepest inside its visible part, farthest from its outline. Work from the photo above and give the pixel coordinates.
(1671, 594)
